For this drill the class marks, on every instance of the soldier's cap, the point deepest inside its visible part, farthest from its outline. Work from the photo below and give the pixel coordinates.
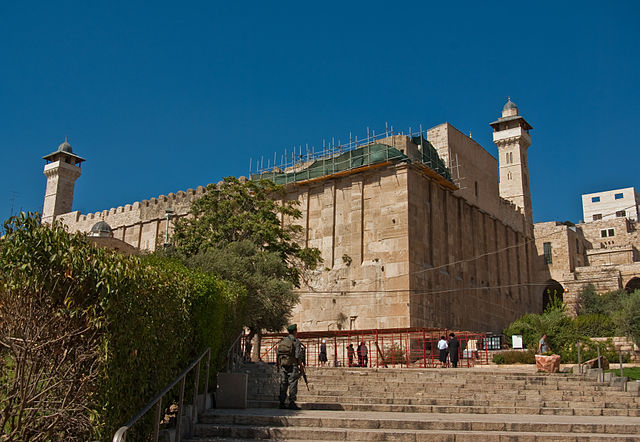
(292, 328)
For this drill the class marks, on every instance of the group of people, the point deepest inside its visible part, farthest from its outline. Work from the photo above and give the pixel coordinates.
(363, 355)
(361, 351)
(449, 349)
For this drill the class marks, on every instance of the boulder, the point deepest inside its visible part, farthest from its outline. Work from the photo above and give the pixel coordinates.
(550, 364)
(593, 363)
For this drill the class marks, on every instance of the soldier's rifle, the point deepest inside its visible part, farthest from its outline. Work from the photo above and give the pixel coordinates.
(301, 366)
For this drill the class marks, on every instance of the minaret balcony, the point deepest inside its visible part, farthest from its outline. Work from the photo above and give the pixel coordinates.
(515, 132)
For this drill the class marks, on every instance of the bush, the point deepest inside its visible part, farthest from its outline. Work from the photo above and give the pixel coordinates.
(515, 357)
(554, 323)
(627, 319)
(107, 331)
(589, 350)
(623, 308)
(594, 325)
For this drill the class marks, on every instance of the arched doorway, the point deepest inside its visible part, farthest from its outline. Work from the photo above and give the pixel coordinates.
(551, 290)
(632, 285)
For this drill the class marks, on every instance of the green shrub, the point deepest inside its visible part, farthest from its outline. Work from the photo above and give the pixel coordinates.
(594, 325)
(627, 318)
(515, 357)
(589, 350)
(144, 320)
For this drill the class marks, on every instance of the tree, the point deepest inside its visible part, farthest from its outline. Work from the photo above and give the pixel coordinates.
(242, 231)
(627, 318)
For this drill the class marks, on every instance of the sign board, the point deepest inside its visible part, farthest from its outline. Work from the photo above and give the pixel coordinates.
(516, 341)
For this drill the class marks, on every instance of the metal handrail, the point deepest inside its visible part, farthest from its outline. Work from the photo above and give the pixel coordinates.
(234, 355)
(121, 434)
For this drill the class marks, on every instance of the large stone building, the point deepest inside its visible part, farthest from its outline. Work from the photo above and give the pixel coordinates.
(602, 250)
(414, 231)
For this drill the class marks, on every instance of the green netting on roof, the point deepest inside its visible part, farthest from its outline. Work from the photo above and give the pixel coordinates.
(362, 156)
(430, 157)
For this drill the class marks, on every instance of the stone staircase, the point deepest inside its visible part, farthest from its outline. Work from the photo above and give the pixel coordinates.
(429, 404)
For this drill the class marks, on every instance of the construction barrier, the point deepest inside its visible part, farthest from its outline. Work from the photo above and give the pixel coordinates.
(410, 347)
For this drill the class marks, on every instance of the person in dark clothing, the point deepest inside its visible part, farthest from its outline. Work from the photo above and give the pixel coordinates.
(363, 354)
(350, 353)
(322, 357)
(454, 347)
(290, 359)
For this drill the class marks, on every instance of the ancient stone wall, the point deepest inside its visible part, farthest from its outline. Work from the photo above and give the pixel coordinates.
(468, 269)
(359, 222)
(475, 171)
(141, 224)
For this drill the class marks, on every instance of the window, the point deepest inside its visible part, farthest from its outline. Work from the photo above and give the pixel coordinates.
(476, 189)
(548, 258)
(612, 232)
(621, 213)
(607, 232)
(577, 245)
(597, 216)
(595, 199)
(509, 157)
(618, 196)
(509, 175)
(603, 233)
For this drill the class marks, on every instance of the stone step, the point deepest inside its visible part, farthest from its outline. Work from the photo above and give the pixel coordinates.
(284, 434)
(327, 425)
(314, 386)
(412, 408)
(495, 401)
(578, 396)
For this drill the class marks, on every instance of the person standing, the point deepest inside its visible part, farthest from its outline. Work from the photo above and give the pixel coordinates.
(322, 357)
(444, 350)
(363, 354)
(290, 358)
(350, 353)
(454, 348)
(543, 347)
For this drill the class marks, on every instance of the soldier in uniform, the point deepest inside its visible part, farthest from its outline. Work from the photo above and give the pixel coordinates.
(290, 357)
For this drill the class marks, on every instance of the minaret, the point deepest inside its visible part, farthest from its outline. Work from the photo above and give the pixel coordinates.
(62, 170)
(511, 135)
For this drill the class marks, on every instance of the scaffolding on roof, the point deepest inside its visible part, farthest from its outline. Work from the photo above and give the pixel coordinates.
(356, 154)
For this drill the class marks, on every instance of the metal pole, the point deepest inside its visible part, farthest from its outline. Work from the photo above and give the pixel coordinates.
(194, 413)
(599, 364)
(579, 358)
(179, 416)
(624, 384)
(424, 349)
(206, 379)
(156, 426)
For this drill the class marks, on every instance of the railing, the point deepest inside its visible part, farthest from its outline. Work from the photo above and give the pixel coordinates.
(121, 434)
(408, 347)
(235, 355)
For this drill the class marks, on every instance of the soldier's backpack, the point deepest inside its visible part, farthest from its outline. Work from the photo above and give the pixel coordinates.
(286, 352)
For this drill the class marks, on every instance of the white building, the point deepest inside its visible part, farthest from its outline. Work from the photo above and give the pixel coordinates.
(611, 204)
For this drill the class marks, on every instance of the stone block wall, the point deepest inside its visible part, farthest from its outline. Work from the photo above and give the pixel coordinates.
(141, 224)
(359, 222)
(468, 269)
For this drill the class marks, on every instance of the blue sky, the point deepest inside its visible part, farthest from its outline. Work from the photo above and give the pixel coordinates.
(179, 94)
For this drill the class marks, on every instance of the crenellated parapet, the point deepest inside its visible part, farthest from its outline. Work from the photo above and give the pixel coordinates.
(141, 223)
